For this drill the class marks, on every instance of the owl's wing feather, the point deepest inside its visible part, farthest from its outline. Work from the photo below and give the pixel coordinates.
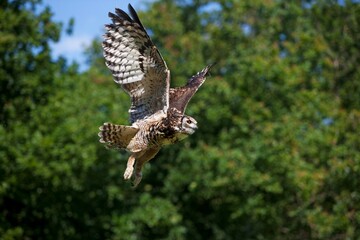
(180, 97)
(136, 64)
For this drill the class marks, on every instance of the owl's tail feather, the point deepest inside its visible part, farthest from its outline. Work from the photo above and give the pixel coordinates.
(116, 136)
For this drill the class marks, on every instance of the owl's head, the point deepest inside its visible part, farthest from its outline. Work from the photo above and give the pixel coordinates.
(188, 125)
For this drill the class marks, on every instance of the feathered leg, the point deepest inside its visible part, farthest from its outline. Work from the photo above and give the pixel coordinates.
(130, 164)
(145, 157)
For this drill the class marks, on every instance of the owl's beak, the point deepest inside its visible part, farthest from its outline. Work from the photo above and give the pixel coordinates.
(193, 128)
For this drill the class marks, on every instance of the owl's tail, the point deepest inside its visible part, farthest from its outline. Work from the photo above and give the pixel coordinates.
(116, 136)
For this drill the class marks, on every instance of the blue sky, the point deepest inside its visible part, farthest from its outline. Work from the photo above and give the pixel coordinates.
(90, 17)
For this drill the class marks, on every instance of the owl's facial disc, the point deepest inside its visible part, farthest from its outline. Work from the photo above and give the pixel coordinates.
(188, 125)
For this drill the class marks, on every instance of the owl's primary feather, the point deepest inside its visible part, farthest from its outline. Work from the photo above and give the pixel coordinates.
(157, 111)
(180, 97)
(136, 64)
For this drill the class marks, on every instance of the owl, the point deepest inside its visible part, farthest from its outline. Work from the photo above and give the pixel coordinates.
(157, 111)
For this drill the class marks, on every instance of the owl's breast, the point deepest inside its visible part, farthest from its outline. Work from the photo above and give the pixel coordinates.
(173, 138)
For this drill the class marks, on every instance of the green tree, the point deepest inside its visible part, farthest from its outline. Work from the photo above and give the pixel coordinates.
(26, 66)
(275, 120)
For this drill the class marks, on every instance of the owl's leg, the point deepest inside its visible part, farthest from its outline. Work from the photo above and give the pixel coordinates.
(147, 156)
(130, 165)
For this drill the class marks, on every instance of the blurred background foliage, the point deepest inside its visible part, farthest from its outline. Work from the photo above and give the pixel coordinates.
(277, 154)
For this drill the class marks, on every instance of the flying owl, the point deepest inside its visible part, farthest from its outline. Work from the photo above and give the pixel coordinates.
(157, 111)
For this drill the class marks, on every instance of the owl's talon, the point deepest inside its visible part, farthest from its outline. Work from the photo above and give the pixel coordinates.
(128, 173)
(137, 180)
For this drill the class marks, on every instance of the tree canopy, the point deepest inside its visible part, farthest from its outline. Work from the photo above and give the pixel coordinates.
(276, 155)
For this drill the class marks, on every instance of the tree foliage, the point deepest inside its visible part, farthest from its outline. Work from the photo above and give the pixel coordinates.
(276, 155)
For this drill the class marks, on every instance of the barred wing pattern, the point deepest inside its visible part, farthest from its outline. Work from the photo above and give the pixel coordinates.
(180, 97)
(136, 64)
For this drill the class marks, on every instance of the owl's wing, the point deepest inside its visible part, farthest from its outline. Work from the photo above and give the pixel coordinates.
(180, 97)
(136, 64)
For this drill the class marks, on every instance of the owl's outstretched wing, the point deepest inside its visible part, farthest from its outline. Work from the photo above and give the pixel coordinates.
(180, 97)
(136, 64)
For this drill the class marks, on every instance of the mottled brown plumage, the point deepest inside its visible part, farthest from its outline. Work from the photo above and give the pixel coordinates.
(157, 111)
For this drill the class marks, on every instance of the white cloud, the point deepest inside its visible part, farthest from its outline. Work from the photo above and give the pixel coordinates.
(71, 45)
(72, 48)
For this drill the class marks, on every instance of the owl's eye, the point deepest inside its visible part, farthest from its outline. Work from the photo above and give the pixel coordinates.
(188, 121)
